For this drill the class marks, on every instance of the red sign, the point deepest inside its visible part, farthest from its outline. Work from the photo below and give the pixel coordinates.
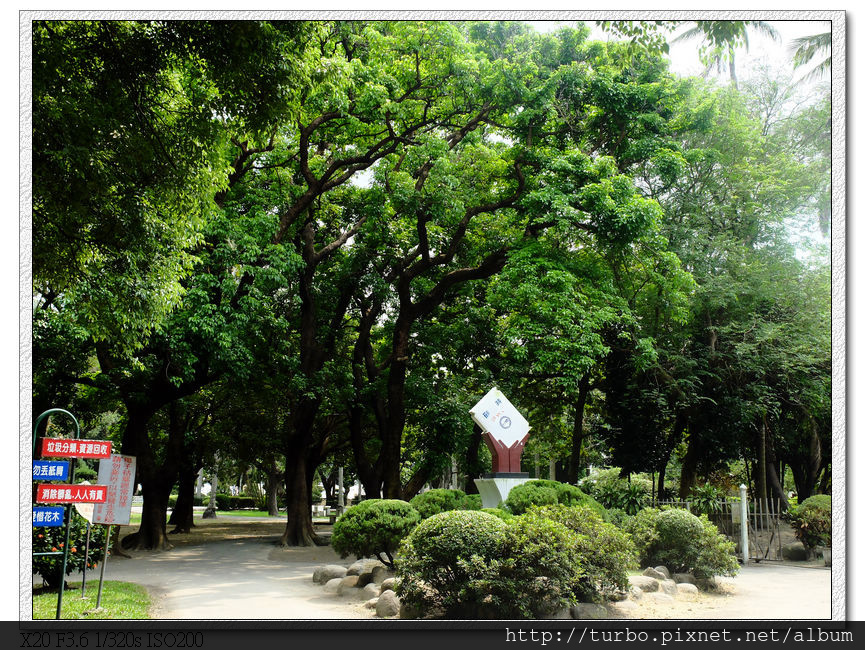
(63, 448)
(58, 493)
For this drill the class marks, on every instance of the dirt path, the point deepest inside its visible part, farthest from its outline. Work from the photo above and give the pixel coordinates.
(231, 568)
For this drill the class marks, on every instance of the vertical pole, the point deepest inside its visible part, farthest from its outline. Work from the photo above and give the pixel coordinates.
(454, 479)
(743, 496)
(552, 469)
(199, 481)
(340, 497)
(86, 561)
(537, 465)
(102, 569)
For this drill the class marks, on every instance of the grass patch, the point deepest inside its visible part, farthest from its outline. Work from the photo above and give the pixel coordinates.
(119, 600)
(244, 513)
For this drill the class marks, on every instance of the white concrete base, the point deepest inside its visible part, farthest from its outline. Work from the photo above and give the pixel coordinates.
(494, 491)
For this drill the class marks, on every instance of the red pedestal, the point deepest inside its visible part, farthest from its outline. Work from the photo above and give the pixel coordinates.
(505, 459)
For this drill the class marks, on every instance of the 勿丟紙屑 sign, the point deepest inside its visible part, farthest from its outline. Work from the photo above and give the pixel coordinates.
(117, 473)
(50, 470)
(63, 448)
(58, 493)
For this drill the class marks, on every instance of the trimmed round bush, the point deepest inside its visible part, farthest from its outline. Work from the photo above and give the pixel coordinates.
(812, 521)
(432, 502)
(447, 562)
(537, 493)
(374, 527)
(526, 495)
(504, 515)
(606, 553)
(682, 542)
(643, 529)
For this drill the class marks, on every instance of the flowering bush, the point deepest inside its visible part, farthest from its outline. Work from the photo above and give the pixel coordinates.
(46, 540)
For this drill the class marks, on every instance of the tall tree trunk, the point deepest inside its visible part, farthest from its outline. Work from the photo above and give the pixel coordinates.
(274, 480)
(390, 450)
(577, 433)
(298, 528)
(689, 464)
(473, 464)
(156, 481)
(777, 488)
(182, 516)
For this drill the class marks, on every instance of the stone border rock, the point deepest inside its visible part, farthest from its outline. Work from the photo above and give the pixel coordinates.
(374, 583)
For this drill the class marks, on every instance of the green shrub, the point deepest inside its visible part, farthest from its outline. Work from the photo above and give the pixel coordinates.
(471, 502)
(51, 539)
(541, 492)
(706, 499)
(432, 502)
(682, 542)
(605, 552)
(448, 561)
(504, 515)
(643, 529)
(617, 517)
(812, 521)
(541, 571)
(470, 564)
(373, 527)
(223, 501)
(534, 493)
(630, 497)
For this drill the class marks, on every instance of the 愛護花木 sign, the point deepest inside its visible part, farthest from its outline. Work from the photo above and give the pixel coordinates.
(48, 517)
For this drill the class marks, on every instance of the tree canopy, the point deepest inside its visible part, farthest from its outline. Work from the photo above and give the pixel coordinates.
(296, 244)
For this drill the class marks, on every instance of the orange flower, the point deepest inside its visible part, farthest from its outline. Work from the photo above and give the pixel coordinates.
(74, 550)
(53, 548)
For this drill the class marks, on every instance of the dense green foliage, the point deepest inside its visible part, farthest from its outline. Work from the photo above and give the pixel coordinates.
(432, 502)
(46, 540)
(682, 542)
(540, 492)
(374, 527)
(278, 248)
(465, 564)
(812, 521)
(443, 564)
(606, 552)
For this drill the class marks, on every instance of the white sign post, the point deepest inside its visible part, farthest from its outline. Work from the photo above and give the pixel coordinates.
(505, 432)
(498, 417)
(118, 473)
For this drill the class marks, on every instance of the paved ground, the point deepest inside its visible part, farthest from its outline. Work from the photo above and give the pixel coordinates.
(231, 568)
(769, 590)
(246, 577)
